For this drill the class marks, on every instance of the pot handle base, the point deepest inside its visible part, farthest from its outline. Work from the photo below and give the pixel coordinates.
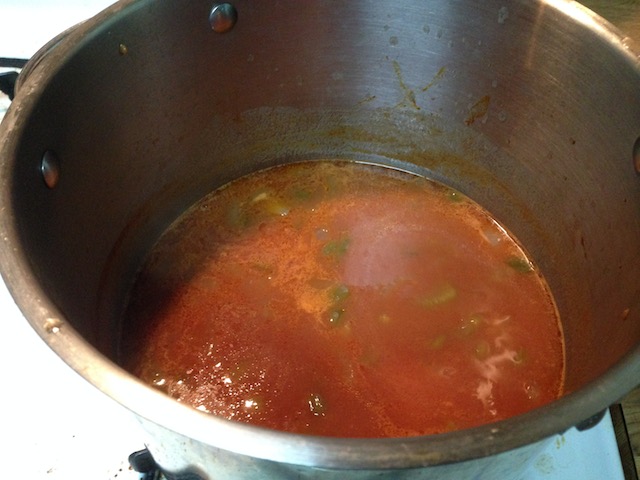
(142, 462)
(591, 422)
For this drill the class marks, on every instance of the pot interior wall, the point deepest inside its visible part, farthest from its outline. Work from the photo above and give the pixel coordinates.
(521, 108)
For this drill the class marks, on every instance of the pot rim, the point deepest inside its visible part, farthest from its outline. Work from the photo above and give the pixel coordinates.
(240, 438)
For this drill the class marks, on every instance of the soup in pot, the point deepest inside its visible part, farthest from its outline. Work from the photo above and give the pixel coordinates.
(344, 299)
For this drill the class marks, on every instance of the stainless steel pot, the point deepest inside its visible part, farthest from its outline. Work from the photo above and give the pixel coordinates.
(532, 108)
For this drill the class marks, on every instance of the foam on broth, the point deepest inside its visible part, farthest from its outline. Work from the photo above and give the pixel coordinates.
(342, 299)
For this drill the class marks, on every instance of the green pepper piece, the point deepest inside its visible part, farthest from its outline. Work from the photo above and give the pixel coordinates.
(519, 264)
(339, 293)
(440, 296)
(336, 248)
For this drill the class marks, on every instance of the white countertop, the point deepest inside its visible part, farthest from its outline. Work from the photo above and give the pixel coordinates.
(54, 424)
(26, 25)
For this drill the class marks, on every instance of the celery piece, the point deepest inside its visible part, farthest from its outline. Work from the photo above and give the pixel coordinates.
(339, 293)
(336, 248)
(519, 264)
(439, 296)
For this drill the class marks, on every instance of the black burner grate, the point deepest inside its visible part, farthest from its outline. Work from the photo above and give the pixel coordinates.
(142, 462)
(8, 79)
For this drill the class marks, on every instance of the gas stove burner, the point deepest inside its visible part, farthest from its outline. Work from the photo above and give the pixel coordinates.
(143, 462)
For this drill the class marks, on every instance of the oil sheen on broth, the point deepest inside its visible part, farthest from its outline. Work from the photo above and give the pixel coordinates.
(342, 299)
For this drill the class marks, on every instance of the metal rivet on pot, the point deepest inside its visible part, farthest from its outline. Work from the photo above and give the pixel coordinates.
(52, 325)
(50, 168)
(223, 17)
(636, 155)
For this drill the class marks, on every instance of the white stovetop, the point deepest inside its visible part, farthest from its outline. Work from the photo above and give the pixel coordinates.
(55, 426)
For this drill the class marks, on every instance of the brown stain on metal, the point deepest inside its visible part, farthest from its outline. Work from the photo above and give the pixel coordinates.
(409, 95)
(436, 78)
(584, 247)
(478, 110)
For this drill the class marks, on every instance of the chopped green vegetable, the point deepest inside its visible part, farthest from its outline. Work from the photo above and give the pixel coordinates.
(302, 194)
(519, 264)
(276, 207)
(270, 203)
(339, 293)
(336, 317)
(439, 296)
(237, 217)
(336, 248)
(258, 197)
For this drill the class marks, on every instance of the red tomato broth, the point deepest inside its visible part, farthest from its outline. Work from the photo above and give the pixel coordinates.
(342, 299)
